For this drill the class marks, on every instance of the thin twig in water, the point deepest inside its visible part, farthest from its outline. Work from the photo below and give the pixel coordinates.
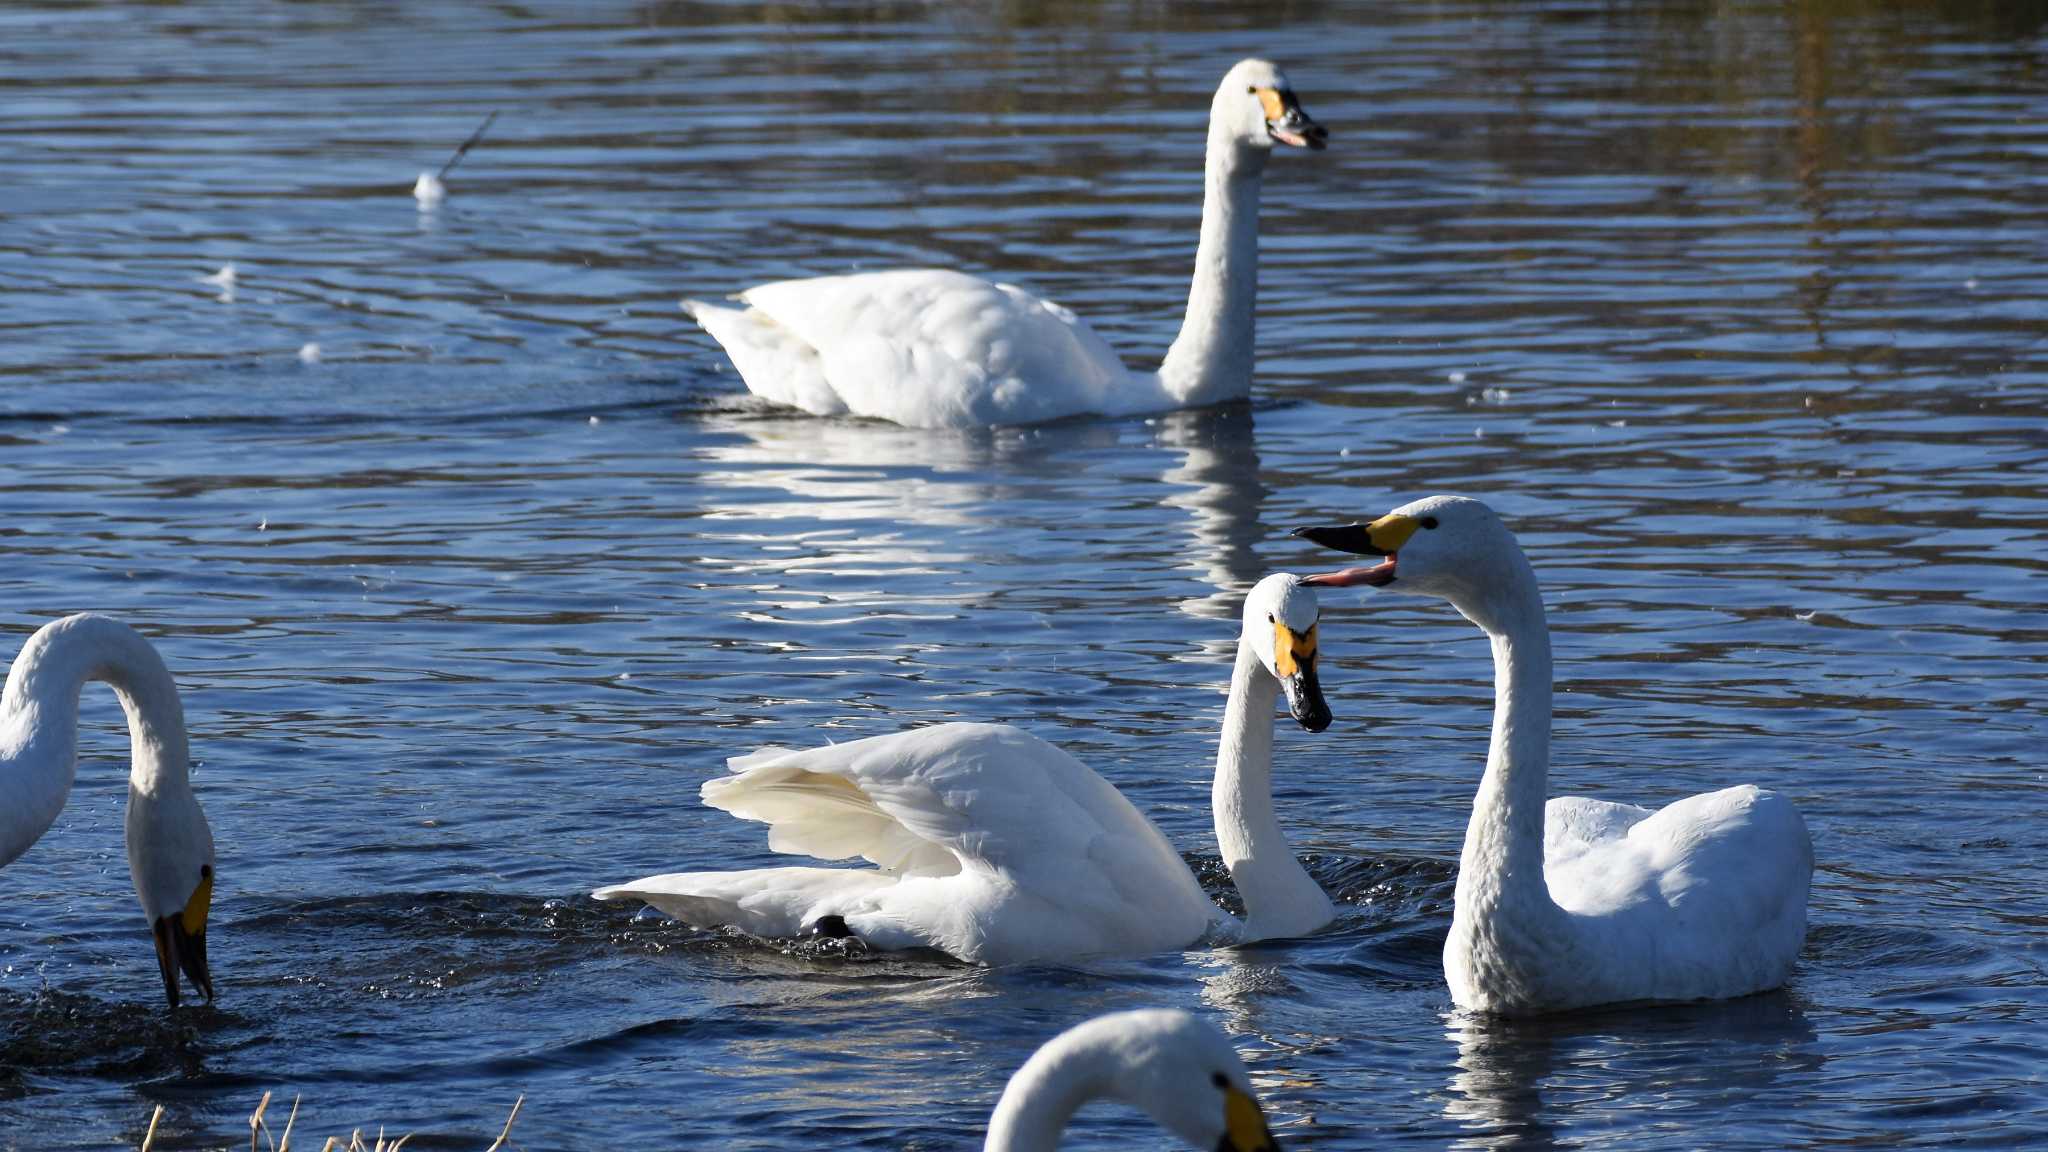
(507, 1133)
(466, 146)
(150, 1136)
(256, 1121)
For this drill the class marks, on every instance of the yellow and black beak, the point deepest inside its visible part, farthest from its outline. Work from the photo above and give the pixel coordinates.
(1382, 537)
(181, 943)
(1244, 1125)
(1294, 661)
(1287, 123)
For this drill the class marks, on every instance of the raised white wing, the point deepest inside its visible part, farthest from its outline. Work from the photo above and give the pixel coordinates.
(934, 801)
(988, 843)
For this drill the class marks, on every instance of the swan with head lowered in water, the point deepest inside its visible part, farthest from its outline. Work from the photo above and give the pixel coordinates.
(1178, 1069)
(934, 348)
(1580, 902)
(170, 848)
(995, 847)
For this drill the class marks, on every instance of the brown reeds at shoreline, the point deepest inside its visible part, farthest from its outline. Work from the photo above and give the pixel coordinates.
(355, 1142)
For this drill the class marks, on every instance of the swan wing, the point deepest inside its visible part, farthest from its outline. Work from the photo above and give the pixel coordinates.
(923, 347)
(1705, 897)
(988, 843)
(937, 800)
(1575, 825)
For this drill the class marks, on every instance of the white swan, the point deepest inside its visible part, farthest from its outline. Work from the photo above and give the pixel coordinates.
(938, 349)
(995, 847)
(1582, 902)
(170, 848)
(1178, 1069)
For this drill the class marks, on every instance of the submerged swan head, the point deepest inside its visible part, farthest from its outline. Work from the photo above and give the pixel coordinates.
(1256, 105)
(1451, 547)
(1280, 618)
(1181, 1071)
(170, 856)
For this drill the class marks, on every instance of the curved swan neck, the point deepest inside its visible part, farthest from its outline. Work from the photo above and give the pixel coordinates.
(39, 721)
(1044, 1094)
(1503, 854)
(1211, 360)
(1280, 897)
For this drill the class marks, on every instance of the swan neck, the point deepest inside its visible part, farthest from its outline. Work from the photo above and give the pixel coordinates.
(1280, 897)
(1044, 1094)
(1211, 360)
(39, 721)
(1503, 853)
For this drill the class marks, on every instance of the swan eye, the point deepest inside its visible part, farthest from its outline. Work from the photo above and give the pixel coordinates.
(1219, 1080)
(1269, 618)
(1252, 90)
(1427, 521)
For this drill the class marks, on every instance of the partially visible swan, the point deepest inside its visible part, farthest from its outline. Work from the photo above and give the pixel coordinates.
(995, 847)
(934, 348)
(1178, 1069)
(170, 848)
(1582, 902)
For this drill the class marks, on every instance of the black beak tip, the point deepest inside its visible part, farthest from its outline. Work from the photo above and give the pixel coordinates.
(1353, 538)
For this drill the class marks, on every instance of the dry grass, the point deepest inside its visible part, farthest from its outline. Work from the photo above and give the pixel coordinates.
(355, 1142)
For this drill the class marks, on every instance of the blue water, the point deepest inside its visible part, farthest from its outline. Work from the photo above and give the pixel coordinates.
(1737, 311)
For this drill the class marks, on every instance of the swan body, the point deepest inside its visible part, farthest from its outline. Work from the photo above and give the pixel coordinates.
(1178, 1069)
(995, 847)
(933, 348)
(170, 847)
(1578, 902)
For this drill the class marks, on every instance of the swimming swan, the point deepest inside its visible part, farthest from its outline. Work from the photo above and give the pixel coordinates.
(933, 348)
(1582, 902)
(170, 848)
(995, 847)
(1178, 1069)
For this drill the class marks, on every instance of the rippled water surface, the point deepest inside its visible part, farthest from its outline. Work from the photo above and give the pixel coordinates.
(1739, 312)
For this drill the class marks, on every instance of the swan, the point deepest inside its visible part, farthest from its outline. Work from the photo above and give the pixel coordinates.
(1581, 902)
(1178, 1069)
(933, 348)
(995, 847)
(170, 848)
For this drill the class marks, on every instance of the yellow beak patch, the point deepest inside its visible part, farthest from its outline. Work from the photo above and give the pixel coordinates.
(1290, 652)
(1244, 1123)
(1269, 99)
(1391, 531)
(193, 918)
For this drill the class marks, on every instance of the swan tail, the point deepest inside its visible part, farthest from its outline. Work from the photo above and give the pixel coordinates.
(772, 361)
(767, 902)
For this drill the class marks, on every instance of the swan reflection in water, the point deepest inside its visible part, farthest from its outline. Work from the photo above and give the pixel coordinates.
(838, 497)
(1516, 1077)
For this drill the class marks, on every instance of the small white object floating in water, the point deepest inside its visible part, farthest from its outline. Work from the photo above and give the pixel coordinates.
(429, 189)
(309, 353)
(223, 280)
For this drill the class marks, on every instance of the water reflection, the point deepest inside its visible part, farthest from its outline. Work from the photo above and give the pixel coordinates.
(825, 477)
(1516, 1080)
(1223, 497)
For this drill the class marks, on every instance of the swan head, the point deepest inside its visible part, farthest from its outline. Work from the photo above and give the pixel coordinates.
(1257, 106)
(1172, 1065)
(1452, 547)
(170, 855)
(1280, 617)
